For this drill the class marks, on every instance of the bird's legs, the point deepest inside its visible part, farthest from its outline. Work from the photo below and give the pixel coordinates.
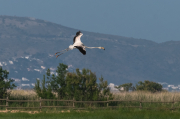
(60, 54)
(62, 51)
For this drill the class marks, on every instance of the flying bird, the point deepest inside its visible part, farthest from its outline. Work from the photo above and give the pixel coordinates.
(77, 45)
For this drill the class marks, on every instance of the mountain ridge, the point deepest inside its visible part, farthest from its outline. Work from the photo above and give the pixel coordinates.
(124, 60)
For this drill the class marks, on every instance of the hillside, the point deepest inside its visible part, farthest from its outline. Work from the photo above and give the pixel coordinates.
(27, 47)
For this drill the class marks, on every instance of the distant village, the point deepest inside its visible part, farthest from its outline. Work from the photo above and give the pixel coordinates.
(169, 87)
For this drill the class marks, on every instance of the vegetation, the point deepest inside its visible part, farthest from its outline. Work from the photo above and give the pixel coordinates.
(5, 83)
(148, 86)
(82, 85)
(43, 91)
(141, 86)
(22, 94)
(68, 85)
(97, 114)
(148, 96)
(125, 87)
(137, 96)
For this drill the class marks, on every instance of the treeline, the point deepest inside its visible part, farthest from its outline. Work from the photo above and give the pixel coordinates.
(79, 85)
(141, 86)
(5, 83)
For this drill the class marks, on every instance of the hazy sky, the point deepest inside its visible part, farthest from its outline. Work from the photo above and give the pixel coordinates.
(157, 20)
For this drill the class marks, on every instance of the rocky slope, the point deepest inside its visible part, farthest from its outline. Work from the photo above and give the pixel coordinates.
(27, 47)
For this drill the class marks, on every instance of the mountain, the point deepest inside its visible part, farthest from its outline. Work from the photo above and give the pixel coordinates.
(28, 45)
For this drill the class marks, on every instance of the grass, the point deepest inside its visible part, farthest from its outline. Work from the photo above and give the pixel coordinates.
(122, 113)
(148, 96)
(140, 96)
(136, 95)
(98, 114)
(28, 94)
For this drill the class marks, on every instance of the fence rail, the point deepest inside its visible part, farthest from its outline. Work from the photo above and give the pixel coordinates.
(171, 107)
(56, 100)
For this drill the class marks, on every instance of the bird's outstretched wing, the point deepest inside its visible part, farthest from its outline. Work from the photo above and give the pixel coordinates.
(81, 49)
(77, 37)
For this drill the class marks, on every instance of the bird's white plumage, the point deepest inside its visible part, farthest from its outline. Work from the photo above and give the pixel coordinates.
(78, 40)
(77, 44)
(71, 47)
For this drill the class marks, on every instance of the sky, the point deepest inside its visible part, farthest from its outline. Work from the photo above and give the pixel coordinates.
(156, 20)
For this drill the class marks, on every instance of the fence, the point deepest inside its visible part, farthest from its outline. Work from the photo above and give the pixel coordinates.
(108, 104)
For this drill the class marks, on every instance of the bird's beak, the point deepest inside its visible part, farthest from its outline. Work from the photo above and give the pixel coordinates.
(103, 48)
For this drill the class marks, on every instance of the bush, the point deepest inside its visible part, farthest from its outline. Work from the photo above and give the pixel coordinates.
(148, 86)
(125, 87)
(5, 83)
(84, 86)
(44, 91)
(78, 85)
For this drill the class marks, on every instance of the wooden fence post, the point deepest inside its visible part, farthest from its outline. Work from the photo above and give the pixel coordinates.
(140, 104)
(6, 103)
(107, 103)
(173, 104)
(73, 102)
(40, 103)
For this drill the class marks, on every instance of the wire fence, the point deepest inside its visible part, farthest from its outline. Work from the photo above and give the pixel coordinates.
(73, 104)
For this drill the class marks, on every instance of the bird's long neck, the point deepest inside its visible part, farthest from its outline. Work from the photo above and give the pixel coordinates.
(93, 47)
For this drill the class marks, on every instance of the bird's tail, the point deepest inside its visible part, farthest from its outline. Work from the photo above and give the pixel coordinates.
(71, 47)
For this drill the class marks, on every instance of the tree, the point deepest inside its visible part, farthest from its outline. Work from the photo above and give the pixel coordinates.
(126, 87)
(78, 85)
(148, 86)
(105, 90)
(5, 83)
(44, 91)
(84, 86)
(58, 83)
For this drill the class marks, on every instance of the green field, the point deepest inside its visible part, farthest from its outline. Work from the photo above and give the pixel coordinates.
(123, 113)
(98, 114)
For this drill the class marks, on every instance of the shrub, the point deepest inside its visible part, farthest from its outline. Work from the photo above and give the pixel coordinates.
(5, 83)
(148, 86)
(44, 91)
(78, 85)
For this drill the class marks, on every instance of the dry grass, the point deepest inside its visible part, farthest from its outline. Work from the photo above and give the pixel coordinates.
(35, 112)
(18, 111)
(147, 96)
(136, 95)
(29, 94)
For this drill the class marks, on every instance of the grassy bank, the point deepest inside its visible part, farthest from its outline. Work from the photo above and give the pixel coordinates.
(147, 96)
(98, 114)
(26, 94)
(136, 95)
(139, 96)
